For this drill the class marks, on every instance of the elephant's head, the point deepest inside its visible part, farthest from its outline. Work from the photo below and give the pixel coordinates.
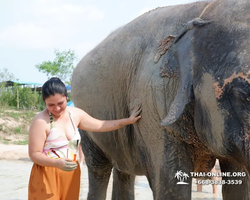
(214, 63)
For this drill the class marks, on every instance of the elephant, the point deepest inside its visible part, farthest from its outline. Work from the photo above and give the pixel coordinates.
(188, 67)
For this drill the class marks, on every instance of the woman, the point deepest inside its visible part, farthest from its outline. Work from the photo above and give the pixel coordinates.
(54, 144)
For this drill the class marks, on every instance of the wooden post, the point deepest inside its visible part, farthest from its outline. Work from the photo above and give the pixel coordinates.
(17, 98)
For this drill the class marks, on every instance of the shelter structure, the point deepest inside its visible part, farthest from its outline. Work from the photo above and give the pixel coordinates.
(32, 85)
(8, 85)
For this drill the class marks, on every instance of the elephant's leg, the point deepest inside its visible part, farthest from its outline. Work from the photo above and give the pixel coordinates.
(123, 186)
(166, 188)
(98, 181)
(234, 191)
(99, 168)
(164, 182)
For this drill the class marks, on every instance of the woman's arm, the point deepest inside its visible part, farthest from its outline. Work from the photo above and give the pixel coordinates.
(89, 123)
(37, 137)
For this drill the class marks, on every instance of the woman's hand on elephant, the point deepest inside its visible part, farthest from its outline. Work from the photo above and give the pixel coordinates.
(135, 114)
(91, 124)
(66, 164)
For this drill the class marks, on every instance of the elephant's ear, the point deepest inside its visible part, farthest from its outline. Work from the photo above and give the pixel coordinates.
(184, 53)
(182, 98)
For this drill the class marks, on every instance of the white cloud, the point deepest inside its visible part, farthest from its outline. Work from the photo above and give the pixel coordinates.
(69, 12)
(25, 36)
(51, 25)
(85, 47)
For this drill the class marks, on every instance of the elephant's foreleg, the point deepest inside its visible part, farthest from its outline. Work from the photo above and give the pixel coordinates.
(167, 187)
(231, 190)
(172, 180)
(123, 186)
(99, 168)
(98, 182)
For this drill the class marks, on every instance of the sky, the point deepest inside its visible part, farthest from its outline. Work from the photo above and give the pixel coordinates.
(30, 30)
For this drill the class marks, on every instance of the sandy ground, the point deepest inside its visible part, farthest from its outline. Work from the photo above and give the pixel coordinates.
(14, 152)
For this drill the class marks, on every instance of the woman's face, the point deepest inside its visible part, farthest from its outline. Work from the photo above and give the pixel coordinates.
(56, 104)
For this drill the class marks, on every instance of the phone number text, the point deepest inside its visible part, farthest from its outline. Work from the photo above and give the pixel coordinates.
(218, 182)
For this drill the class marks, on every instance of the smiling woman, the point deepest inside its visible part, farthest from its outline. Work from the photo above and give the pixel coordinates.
(54, 143)
(48, 147)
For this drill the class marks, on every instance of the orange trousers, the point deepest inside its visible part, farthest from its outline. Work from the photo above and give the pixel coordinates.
(51, 183)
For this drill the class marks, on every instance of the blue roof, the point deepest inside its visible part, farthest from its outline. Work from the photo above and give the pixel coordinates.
(26, 83)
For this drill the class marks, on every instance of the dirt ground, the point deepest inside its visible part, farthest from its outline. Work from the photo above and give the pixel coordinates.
(14, 125)
(14, 152)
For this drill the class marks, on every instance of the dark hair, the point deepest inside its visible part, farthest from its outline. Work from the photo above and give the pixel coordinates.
(53, 86)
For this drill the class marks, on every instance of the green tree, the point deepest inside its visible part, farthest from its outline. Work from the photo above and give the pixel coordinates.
(5, 75)
(62, 66)
(5, 94)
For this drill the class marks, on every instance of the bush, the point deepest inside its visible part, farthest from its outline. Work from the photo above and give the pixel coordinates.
(21, 98)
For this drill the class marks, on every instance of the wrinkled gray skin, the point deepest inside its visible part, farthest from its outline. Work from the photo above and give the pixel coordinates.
(194, 95)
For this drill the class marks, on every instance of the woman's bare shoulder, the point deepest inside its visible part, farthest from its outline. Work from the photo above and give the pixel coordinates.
(74, 110)
(40, 123)
(42, 117)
